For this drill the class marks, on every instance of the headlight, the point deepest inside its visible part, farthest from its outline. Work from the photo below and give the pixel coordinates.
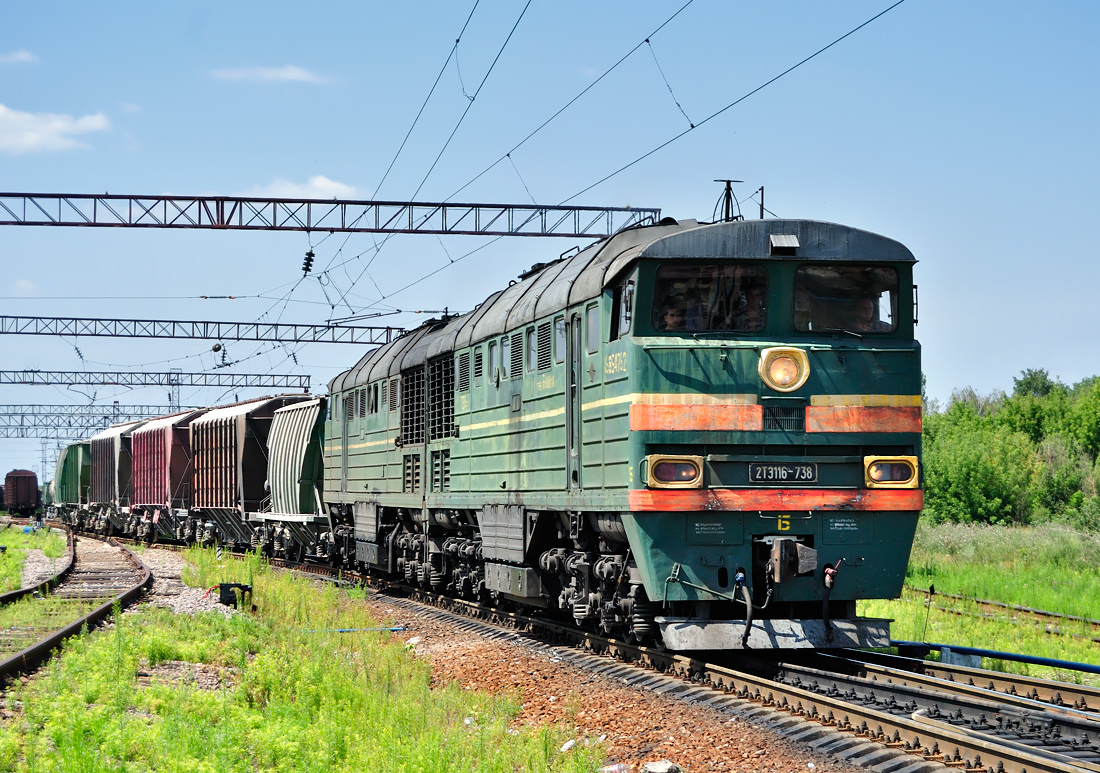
(784, 368)
(674, 471)
(890, 471)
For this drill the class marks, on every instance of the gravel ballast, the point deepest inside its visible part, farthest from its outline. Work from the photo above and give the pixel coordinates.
(638, 727)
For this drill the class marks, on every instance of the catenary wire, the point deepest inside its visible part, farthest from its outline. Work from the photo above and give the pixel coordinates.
(539, 128)
(737, 101)
(450, 137)
(568, 104)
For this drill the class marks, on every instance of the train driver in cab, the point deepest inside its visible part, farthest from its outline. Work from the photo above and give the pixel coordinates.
(866, 317)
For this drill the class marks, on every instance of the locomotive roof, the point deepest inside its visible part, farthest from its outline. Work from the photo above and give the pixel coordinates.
(583, 276)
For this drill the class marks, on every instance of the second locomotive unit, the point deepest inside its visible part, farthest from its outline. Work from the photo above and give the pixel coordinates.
(703, 434)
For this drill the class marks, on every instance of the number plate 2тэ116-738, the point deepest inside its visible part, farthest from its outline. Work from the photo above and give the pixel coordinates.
(785, 472)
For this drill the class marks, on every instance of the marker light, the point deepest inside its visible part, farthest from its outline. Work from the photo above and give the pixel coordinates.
(674, 471)
(890, 471)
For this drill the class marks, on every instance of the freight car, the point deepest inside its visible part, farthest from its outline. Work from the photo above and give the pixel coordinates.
(703, 434)
(199, 476)
(111, 479)
(162, 475)
(21, 494)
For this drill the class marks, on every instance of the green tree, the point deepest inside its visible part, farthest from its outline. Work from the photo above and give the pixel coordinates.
(1083, 419)
(975, 472)
(1064, 470)
(1033, 381)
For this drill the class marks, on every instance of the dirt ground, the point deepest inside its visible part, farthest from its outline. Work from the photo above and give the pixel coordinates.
(636, 726)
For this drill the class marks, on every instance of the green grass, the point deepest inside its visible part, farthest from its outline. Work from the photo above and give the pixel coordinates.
(1044, 567)
(18, 542)
(292, 696)
(1047, 567)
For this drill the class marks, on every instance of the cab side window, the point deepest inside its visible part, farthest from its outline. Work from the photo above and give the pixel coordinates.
(592, 329)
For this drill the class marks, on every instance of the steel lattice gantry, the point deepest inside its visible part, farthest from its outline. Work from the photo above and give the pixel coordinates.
(60, 422)
(259, 214)
(215, 331)
(168, 378)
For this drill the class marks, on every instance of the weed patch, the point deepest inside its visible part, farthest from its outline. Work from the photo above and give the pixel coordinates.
(1048, 567)
(17, 542)
(277, 690)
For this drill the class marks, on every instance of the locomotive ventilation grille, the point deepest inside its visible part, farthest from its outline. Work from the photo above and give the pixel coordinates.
(441, 398)
(412, 406)
(441, 470)
(785, 418)
(412, 473)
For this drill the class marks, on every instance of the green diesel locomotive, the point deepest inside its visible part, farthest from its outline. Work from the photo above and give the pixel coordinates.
(707, 435)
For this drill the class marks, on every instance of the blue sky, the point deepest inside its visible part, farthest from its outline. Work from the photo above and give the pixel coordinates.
(964, 130)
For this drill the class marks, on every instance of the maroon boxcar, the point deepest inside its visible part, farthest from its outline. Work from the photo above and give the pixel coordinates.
(161, 482)
(21, 492)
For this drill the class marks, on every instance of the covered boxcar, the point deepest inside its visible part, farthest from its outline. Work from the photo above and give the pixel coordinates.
(72, 479)
(707, 434)
(162, 472)
(111, 478)
(229, 450)
(21, 495)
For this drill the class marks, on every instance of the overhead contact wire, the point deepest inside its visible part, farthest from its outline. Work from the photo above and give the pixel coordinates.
(536, 130)
(454, 131)
(569, 104)
(507, 156)
(416, 120)
(736, 102)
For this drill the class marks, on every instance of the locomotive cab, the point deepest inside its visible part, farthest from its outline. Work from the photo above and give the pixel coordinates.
(775, 426)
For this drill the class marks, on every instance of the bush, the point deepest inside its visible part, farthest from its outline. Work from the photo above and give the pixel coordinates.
(979, 473)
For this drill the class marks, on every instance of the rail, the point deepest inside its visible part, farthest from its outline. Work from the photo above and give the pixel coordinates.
(32, 656)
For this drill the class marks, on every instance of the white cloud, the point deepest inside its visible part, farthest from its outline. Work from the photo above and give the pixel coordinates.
(25, 288)
(268, 74)
(130, 107)
(19, 57)
(317, 187)
(28, 132)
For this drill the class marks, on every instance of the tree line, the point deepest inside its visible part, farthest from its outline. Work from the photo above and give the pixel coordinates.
(1028, 457)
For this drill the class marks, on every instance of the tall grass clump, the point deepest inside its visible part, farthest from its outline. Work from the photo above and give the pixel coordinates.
(17, 542)
(1049, 567)
(280, 690)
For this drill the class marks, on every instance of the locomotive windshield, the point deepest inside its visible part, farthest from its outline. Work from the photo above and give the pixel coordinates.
(860, 299)
(710, 297)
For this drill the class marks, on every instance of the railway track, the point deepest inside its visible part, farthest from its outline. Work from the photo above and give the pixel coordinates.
(101, 575)
(873, 710)
(870, 714)
(1051, 622)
